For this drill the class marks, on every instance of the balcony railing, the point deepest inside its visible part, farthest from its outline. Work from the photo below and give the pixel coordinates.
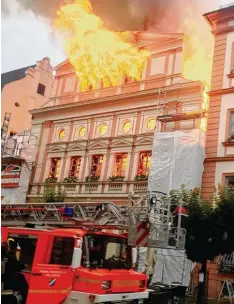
(227, 263)
(107, 187)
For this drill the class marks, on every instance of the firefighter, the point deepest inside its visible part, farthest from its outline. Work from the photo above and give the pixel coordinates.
(13, 279)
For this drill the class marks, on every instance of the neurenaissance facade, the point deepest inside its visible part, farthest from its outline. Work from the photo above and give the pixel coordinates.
(97, 145)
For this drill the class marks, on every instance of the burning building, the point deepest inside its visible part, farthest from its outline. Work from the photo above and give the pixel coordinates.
(95, 133)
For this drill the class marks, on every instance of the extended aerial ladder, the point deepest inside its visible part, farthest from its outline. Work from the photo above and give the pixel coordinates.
(149, 217)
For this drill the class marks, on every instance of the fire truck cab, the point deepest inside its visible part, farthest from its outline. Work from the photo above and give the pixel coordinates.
(77, 266)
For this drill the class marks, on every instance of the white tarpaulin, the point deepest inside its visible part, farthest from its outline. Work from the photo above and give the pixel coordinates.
(177, 159)
(172, 266)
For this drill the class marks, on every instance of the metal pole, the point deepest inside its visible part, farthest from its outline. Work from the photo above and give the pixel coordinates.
(179, 224)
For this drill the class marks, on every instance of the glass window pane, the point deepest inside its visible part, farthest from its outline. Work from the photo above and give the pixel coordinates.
(232, 117)
(62, 251)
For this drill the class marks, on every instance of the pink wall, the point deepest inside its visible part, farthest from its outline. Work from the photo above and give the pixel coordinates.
(24, 92)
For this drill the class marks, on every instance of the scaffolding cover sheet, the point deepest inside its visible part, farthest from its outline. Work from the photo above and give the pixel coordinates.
(172, 266)
(177, 159)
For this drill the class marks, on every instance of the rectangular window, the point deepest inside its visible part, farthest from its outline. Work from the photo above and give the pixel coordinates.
(41, 89)
(54, 168)
(231, 127)
(144, 163)
(96, 166)
(229, 181)
(62, 251)
(75, 166)
(232, 59)
(120, 164)
(106, 252)
(27, 245)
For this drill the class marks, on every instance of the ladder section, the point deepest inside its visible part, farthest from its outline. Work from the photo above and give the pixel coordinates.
(91, 214)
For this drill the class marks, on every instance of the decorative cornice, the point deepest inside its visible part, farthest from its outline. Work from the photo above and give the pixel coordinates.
(224, 30)
(228, 143)
(221, 91)
(219, 159)
(231, 75)
(191, 85)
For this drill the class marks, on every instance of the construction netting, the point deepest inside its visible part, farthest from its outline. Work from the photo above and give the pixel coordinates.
(177, 159)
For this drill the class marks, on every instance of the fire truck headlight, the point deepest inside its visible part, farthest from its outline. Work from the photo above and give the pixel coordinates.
(106, 285)
(142, 284)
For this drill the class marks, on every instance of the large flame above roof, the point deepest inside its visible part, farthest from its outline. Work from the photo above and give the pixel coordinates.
(96, 53)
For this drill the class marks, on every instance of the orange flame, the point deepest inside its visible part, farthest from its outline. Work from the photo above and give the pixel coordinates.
(198, 55)
(96, 53)
(198, 48)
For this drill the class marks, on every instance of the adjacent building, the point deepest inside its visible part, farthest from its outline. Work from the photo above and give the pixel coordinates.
(23, 90)
(219, 163)
(97, 145)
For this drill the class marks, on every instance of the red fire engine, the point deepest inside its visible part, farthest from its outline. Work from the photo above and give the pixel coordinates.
(72, 265)
(79, 261)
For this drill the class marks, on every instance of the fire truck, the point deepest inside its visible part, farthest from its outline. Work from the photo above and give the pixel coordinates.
(79, 252)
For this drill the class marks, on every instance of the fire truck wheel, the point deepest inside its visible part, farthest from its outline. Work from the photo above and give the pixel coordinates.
(9, 299)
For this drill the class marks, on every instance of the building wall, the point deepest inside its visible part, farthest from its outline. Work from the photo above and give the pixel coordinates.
(220, 151)
(24, 92)
(162, 90)
(219, 163)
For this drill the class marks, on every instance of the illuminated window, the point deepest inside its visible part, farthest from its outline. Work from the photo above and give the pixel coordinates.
(151, 124)
(102, 129)
(75, 166)
(62, 134)
(144, 163)
(96, 167)
(120, 164)
(54, 167)
(81, 132)
(127, 126)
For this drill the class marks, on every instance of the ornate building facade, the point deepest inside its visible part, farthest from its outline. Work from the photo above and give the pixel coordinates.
(97, 145)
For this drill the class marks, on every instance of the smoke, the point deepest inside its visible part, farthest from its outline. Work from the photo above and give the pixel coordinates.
(123, 15)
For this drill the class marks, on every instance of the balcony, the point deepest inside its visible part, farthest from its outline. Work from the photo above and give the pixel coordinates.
(227, 263)
(104, 188)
